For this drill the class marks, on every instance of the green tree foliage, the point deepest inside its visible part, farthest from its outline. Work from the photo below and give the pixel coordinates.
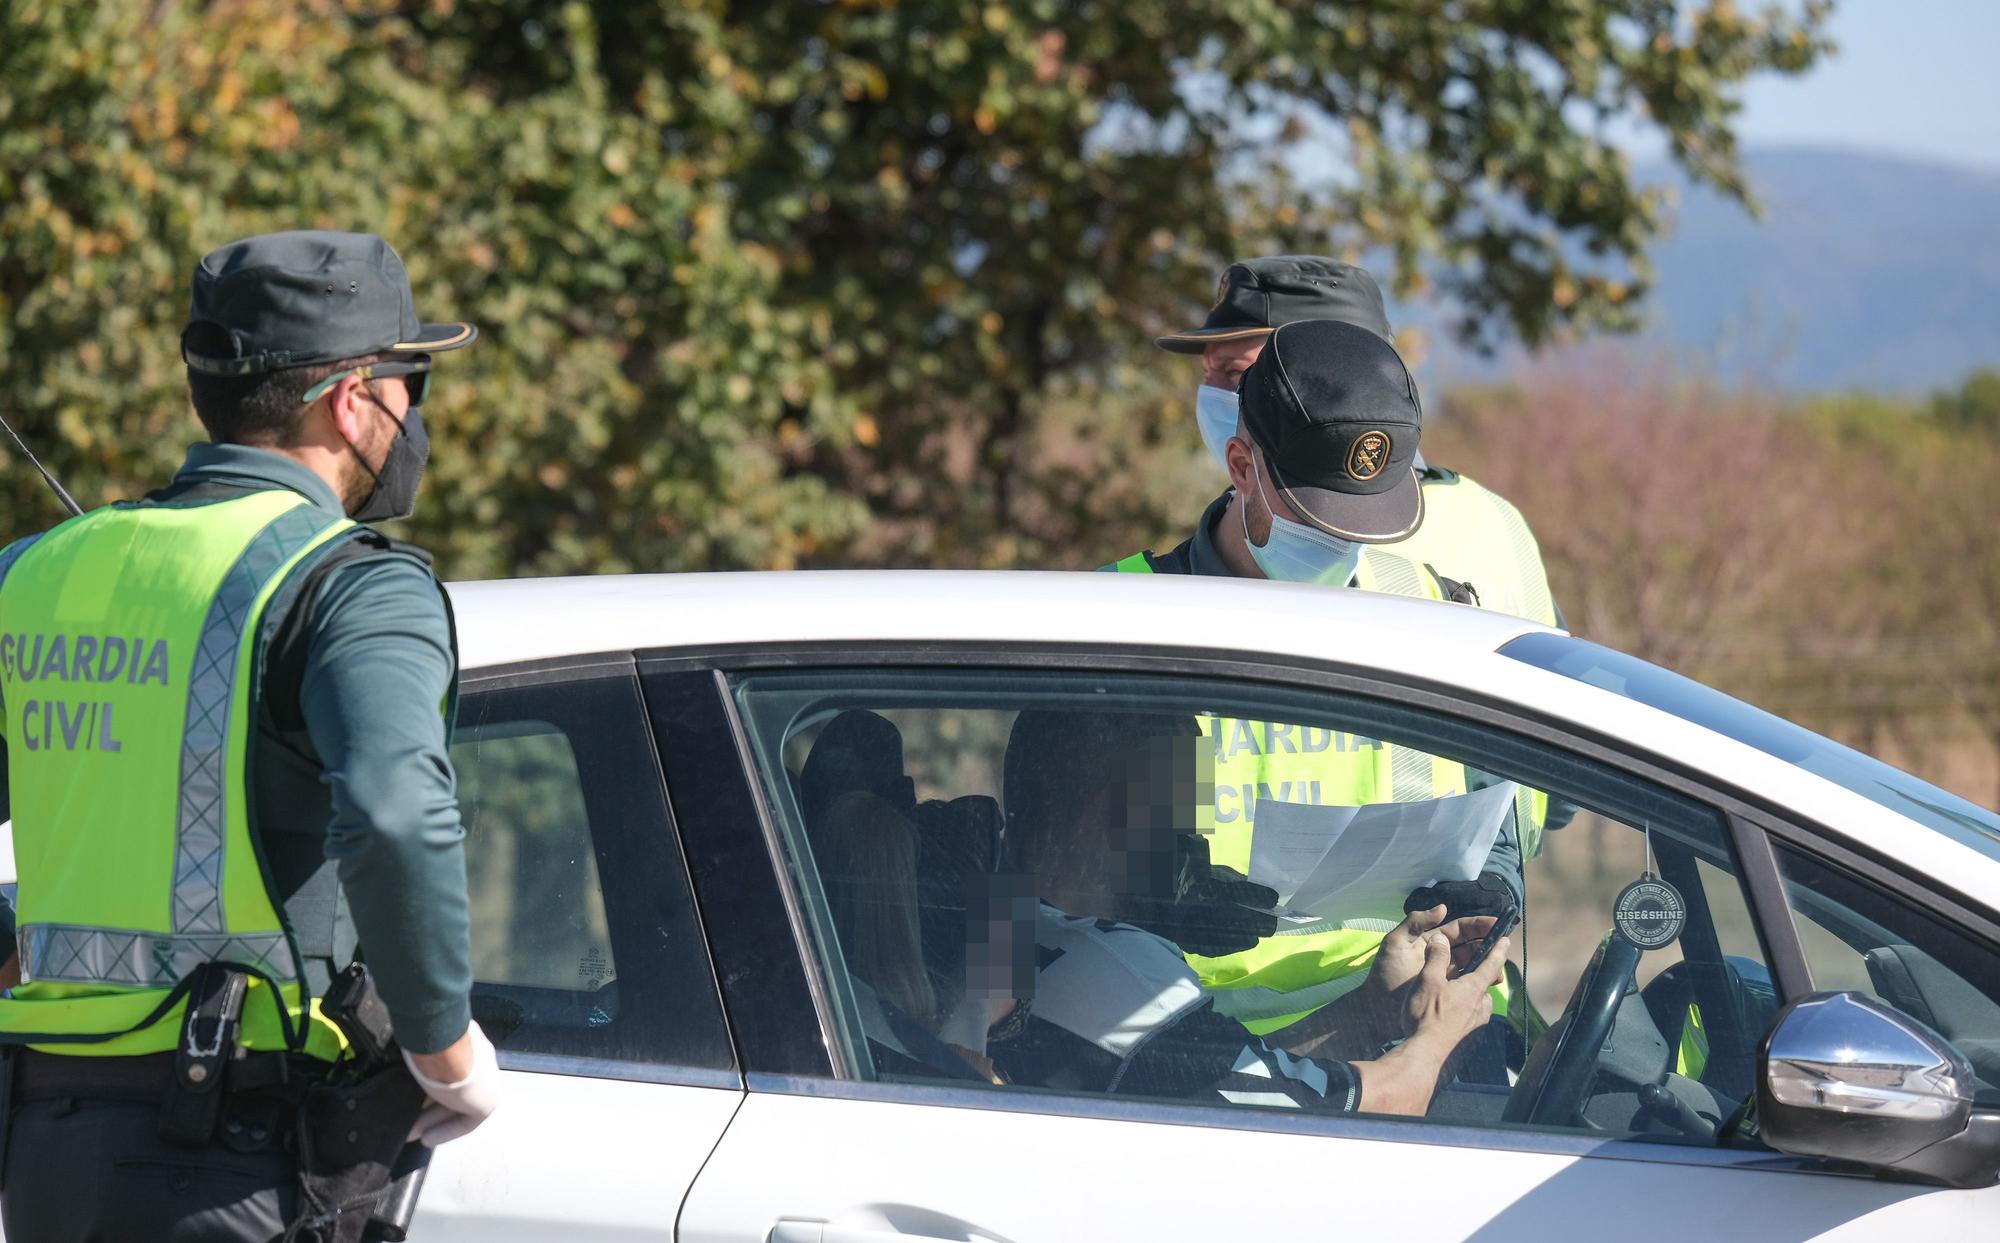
(622, 411)
(1973, 406)
(781, 284)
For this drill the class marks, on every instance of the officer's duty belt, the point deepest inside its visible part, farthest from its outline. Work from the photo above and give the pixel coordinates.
(141, 1080)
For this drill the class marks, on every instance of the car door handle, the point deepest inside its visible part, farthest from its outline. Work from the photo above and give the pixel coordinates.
(795, 1230)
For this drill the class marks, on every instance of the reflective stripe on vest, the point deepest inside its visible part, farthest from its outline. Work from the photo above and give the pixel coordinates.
(1395, 575)
(126, 958)
(127, 643)
(1264, 1010)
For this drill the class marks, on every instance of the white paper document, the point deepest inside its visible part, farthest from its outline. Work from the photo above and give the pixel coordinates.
(1344, 863)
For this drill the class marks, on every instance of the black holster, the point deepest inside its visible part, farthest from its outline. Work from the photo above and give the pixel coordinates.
(358, 1178)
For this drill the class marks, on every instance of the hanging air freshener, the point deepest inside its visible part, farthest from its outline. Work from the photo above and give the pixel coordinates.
(1649, 912)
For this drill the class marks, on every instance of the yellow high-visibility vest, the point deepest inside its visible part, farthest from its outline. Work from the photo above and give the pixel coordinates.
(1476, 536)
(1289, 975)
(128, 639)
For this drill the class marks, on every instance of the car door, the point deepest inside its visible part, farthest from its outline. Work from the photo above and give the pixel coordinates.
(855, 1128)
(591, 976)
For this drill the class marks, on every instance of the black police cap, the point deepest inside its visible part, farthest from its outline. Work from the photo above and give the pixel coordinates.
(1257, 296)
(1336, 413)
(284, 300)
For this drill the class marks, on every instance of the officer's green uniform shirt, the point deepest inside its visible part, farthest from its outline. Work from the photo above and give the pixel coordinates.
(355, 756)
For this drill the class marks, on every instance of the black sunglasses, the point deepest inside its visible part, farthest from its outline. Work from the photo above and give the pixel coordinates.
(415, 373)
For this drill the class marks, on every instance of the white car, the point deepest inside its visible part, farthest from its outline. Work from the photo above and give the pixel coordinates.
(691, 1053)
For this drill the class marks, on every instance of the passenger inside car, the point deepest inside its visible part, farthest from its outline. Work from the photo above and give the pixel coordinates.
(957, 840)
(995, 985)
(1094, 801)
(868, 857)
(867, 852)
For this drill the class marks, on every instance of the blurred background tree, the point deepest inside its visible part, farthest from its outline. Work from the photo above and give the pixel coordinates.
(1973, 407)
(1831, 559)
(873, 283)
(798, 283)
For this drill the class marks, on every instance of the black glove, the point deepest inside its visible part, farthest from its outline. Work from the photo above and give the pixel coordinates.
(1489, 895)
(1210, 912)
(1215, 916)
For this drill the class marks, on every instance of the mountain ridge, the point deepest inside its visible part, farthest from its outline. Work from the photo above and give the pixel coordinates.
(1867, 271)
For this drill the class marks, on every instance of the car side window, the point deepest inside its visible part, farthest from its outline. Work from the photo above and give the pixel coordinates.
(584, 938)
(1858, 937)
(520, 790)
(1181, 889)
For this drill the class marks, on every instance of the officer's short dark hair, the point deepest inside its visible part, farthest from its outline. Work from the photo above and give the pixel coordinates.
(263, 409)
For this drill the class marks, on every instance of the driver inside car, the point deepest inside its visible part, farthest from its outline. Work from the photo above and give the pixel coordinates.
(1094, 802)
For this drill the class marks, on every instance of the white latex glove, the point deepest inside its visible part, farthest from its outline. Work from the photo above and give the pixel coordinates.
(455, 1109)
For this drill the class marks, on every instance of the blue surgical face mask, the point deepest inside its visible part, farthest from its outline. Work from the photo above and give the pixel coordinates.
(1215, 413)
(1295, 552)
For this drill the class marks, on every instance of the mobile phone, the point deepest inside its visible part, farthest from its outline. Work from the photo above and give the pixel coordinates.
(1501, 927)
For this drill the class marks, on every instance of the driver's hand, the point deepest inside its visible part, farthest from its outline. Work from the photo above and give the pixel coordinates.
(1401, 958)
(1440, 1011)
(1446, 1006)
(1400, 961)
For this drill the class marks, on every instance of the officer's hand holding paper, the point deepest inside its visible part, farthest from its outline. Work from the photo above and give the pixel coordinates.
(1340, 864)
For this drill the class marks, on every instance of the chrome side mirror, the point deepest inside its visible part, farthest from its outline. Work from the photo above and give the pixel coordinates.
(1846, 1077)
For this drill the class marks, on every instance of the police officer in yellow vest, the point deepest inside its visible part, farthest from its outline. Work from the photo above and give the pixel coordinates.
(1322, 463)
(225, 713)
(1468, 531)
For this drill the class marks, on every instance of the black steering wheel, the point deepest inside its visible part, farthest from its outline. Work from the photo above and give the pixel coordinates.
(1562, 1068)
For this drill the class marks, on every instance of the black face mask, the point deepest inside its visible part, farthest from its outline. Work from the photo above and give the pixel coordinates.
(395, 493)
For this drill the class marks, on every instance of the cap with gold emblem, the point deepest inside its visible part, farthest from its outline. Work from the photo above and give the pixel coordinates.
(1258, 295)
(1337, 416)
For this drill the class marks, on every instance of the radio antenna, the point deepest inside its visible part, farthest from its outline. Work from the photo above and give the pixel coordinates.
(69, 502)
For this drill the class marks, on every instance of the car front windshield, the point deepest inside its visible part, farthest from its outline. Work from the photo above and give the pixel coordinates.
(1691, 701)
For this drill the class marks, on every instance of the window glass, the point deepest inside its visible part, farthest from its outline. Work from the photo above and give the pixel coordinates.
(1670, 692)
(1856, 937)
(1189, 890)
(520, 791)
(584, 940)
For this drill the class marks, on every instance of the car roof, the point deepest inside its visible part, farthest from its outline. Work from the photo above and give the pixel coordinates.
(522, 620)
(515, 620)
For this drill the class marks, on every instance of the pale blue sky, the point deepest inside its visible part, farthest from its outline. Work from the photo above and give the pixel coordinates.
(1912, 77)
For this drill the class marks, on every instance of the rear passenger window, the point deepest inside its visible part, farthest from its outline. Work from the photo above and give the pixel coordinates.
(584, 938)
